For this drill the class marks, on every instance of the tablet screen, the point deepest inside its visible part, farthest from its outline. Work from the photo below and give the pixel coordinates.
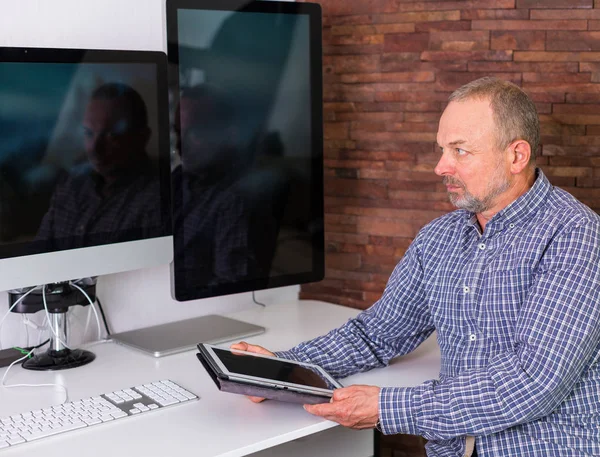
(276, 370)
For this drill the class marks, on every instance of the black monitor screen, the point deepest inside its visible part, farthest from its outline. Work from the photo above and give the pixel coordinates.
(248, 172)
(84, 149)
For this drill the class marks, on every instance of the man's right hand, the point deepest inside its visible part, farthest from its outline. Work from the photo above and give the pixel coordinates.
(243, 346)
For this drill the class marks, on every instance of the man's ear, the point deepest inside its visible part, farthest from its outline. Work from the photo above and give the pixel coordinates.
(520, 151)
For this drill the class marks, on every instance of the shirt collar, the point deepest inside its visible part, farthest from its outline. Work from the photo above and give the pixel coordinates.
(519, 210)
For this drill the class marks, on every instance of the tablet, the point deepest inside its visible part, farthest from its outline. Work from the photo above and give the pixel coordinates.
(259, 375)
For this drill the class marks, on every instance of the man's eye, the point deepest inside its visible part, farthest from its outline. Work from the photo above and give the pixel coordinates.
(460, 152)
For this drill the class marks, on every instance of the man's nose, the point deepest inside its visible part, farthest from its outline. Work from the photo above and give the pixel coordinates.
(444, 166)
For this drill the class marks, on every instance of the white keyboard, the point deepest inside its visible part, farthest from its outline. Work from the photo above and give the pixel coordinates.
(41, 423)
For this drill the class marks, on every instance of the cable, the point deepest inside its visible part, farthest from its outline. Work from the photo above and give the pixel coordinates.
(93, 307)
(258, 303)
(25, 322)
(10, 309)
(31, 385)
(103, 316)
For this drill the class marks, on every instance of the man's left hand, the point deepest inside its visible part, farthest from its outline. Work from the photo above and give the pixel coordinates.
(354, 407)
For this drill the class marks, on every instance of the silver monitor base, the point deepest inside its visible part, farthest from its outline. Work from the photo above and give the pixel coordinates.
(180, 336)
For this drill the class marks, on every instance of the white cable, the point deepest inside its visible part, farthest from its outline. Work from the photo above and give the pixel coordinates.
(93, 309)
(49, 320)
(10, 309)
(31, 385)
(25, 322)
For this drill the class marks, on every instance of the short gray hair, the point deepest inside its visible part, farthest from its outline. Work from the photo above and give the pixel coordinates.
(515, 115)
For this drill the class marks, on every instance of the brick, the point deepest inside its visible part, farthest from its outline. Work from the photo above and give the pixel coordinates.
(442, 25)
(459, 41)
(347, 93)
(577, 118)
(561, 87)
(452, 5)
(395, 77)
(555, 150)
(578, 108)
(406, 42)
(362, 164)
(545, 108)
(453, 80)
(357, 40)
(411, 126)
(385, 227)
(361, 188)
(396, 136)
(343, 261)
(567, 172)
(467, 55)
(518, 40)
(344, 173)
(558, 129)
(588, 182)
(594, 25)
(352, 19)
(529, 25)
(593, 130)
(540, 56)
(395, 146)
(421, 117)
(555, 4)
(400, 175)
(336, 130)
(344, 7)
(547, 97)
(394, 62)
(561, 161)
(537, 67)
(572, 41)
(374, 29)
(561, 14)
(583, 141)
(433, 16)
(575, 97)
(424, 196)
(339, 107)
(345, 50)
(339, 144)
(356, 64)
(371, 116)
(482, 14)
(545, 78)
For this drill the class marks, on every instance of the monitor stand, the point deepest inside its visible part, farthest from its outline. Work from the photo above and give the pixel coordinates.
(174, 337)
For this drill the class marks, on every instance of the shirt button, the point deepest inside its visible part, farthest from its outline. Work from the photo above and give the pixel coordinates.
(466, 289)
(481, 246)
(511, 225)
(472, 337)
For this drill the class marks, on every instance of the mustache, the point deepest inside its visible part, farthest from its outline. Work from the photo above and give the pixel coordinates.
(450, 181)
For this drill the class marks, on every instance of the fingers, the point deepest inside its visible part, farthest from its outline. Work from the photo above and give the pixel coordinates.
(243, 346)
(256, 399)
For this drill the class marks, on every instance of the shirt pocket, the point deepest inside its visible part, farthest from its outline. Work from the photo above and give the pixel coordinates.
(504, 290)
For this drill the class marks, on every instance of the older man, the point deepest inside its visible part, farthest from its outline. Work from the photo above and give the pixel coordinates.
(511, 283)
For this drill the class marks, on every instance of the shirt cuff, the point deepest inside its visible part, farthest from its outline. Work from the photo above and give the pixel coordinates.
(290, 355)
(396, 410)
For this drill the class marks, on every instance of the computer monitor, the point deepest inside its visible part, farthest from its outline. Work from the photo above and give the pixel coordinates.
(84, 172)
(246, 86)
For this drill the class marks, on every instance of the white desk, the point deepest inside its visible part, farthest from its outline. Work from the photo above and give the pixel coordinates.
(219, 424)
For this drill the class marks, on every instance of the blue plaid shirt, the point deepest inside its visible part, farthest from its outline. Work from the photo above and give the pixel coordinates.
(517, 314)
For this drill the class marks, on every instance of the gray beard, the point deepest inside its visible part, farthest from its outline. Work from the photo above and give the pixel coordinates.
(476, 205)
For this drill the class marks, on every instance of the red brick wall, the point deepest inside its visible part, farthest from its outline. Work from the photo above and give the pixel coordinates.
(389, 66)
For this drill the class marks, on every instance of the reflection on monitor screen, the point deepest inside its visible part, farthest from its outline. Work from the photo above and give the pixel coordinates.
(84, 164)
(248, 177)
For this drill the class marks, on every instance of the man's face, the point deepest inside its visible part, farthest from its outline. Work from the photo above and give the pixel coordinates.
(474, 171)
(111, 143)
(202, 136)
